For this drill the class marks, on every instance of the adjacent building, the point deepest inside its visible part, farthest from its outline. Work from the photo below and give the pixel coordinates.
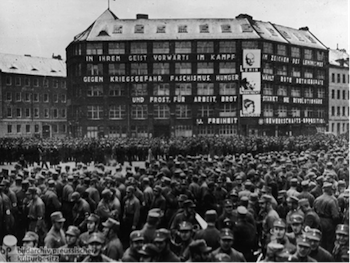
(190, 77)
(338, 91)
(33, 96)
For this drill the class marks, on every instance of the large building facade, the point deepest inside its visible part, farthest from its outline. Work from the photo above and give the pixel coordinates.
(338, 91)
(192, 77)
(33, 97)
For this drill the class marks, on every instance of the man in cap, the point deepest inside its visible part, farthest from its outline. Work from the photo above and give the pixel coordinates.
(162, 240)
(51, 201)
(56, 238)
(305, 192)
(211, 234)
(185, 233)
(148, 253)
(92, 224)
(152, 222)
(113, 247)
(326, 206)
(200, 252)
(226, 242)
(228, 213)
(131, 213)
(67, 204)
(296, 223)
(95, 245)
(271, 251)
(103, 209)
(303, 251)
(268, 216)
(188, 215)
(30, 240)
(93, 193)
(341, 244)
(292, 191)
(72, 235)
(311, 219)
(158, 200)
(317, 252)
(81, 208)
(278, 235)
(136, 243)
(5, 212)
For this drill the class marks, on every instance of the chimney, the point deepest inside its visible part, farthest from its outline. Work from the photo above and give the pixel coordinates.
(244, 16)
(56, 57)
(305, 28)
(141, 16)
(27, 55)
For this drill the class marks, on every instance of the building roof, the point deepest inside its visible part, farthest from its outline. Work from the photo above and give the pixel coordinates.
(19, 64)
(108, 27)
(339, 57)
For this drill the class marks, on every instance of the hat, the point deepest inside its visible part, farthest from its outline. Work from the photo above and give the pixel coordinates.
(234, 193)
(70, 178)
(9, 241)
(75, 196)
(185, 226)
(327, 185)
(222, 257)
(226, 233)
(265, 198)
(73, 231)
(161, 235)
(305, 183)
(136, 235)
(182, 198)
(32, 190)
(94, 218)
(106, 193)
(314, 234)
(111, 223)
(51, 183)
(30, 236)
(341, 183)
(253, 197)
(302, 241)
(57, 217)
(303, 201)
(200, 246)
(279, 223)
(273, 247)
(189, 203)
(342, 229)
(296, 218)
(149, 250)
(211, 216)
(96, 238)
(242, 210)
(227, 202)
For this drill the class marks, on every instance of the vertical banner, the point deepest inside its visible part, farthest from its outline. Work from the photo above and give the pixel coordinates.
(251, 105)
(251, 83)
(251, 59)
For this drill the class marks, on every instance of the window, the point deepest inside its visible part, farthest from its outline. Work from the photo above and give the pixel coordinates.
(282, 70)
(63, 128)
(333, 94)
(117, 112)
(27, 112)
(139, 29)
(183, 111)
(8, 96)
(295, 92)
(139, 112)
(139, 131)
(205, 111)
(205, 89)
(27, 128)
(63, 113)
(338, 78)
(205, 68)
(320, 74)
(27, 81)
(161, 29)
(36, 112)
(46, 113)
(227, 67)
(267, 48)
(320, 113)
(267, 68)
(344, 81)
(55, 98)
(94, 48)
(95, 91)
(46, 97)
(308, 73)
(344, 95)
(94, 112)
(332, 127)
(183, 47)
(227, 110)
(36, 82)
(321, 93)
(227, 88)
(18, 96)
(116, 69)
(9, 112)
(267, 89)
(139, 69)
(46, 83)
(117, 131)
(227, 130)
(94, 69)
(116, 48)
(55, 113)
(55, 83)
(344, 114)
(281, 50)
(18, 128)
(17, 81)
(249, 44)
(308, 112)
(338, 94)
(8, 80)
(183, 89)
(206, 130)
(92, 132)
(161, 47)
(333, 77)
(282, 111)
(268, 110)
(308, 92)
(138, 48)
(161, 89)
(308, 54)
(116, 90)
(63, 98)
(183, 131)
(161, 68)
(182, 29)
(282, 91)
(161, 111)
(296, 72)
(183, 68)
(139, 90)
(295, 112)
(226, 28)
(204, 28)
(9, 128)
(320, 55)
(205, 47)
(295, 52)
(227, 47)
(36, 97)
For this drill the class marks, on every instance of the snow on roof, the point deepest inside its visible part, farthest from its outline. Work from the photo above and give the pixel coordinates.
(338, 57)
(32, 65)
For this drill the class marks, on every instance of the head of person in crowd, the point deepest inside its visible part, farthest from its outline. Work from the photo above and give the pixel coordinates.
(278, 231)
(106, 195)
(304, 205)
(92, 223)
(95, 244)
(185, 231)
(72, 235)
(130, 192)
(228, 207)
(110, 228)
(137, 240)
(148, 253)
(314, 236)
(75, 197)
(57, 220)
(342, 235)
(162, 239)
(272, 250)
(242, 213)
(265, 203)
(226, 240)
(303, 247)
(32, 193)
(341, 186)
(189, 207)
(30, 240)
(199, 251)
(157, 190)
(211, 217)
(297, 221)
(327, 188)
(292, 203)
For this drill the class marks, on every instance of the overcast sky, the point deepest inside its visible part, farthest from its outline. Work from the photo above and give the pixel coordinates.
(44, 27)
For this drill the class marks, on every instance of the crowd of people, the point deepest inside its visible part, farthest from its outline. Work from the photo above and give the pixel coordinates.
(198, 199)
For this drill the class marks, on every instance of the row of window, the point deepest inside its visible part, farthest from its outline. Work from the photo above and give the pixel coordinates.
(345, 94)
(341, 111)
(339, 128)
(341, 78)
(35, 113)
(187, 47)
(35, 97)
(162, 111)
(293, 91)
(27, 128)
(36, 82)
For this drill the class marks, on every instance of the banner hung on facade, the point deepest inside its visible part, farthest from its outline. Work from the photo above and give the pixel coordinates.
(250, 83)
(251, 58)
(251, 106)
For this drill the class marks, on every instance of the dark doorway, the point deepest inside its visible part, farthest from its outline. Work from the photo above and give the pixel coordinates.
(161, 131)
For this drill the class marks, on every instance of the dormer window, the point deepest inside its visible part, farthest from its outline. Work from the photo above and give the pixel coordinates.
(118, 29)
(103, 33)
(204, 28)
(13, 66)
(182, 29)
(139, 29)
(161, 29)
(272, 32)
(298, 37)
(285, 34)
(311, 39)
(226, 29)
(246, 28)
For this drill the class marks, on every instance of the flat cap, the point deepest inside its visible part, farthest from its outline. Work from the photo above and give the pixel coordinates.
(136, 235)
(73, 231)
(30, 236)
(96, 238)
